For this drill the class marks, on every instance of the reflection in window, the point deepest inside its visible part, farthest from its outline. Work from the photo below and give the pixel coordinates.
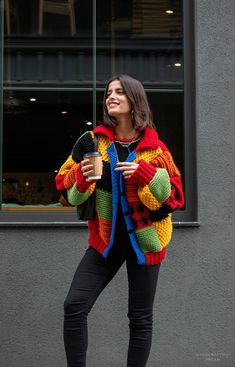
(47, 18)
(141, 38)
(39, 131)
(137, 18)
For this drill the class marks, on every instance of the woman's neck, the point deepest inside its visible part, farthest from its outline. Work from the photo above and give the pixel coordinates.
(125, 129)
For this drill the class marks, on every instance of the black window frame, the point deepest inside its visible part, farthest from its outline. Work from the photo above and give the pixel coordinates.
(182, 218)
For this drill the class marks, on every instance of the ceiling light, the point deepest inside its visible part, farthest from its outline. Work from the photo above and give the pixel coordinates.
(169, 11)
(33, 99)
(64, 112)
(89, 123)
(177, 64)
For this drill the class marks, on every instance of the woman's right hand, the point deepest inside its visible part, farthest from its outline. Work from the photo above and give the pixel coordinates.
(87, 168)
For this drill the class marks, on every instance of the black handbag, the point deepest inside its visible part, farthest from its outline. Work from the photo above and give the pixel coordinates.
(86, 210)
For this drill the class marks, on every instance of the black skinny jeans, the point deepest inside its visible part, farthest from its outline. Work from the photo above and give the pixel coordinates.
(91, 277)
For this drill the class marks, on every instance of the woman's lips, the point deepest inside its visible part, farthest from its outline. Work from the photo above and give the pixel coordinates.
(113, 104)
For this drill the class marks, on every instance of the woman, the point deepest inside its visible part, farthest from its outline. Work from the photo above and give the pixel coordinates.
(139, 189)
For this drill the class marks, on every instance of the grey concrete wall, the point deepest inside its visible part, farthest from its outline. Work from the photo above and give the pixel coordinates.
(194, 308)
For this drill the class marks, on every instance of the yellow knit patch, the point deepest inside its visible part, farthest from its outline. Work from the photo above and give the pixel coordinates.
(148, 199)
(164, 230)
(66, 166)
(148, 155)
(103, 144)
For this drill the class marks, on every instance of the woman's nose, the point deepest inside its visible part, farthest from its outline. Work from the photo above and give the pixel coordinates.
(112, 95)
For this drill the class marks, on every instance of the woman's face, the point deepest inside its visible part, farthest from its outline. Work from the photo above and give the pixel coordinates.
(117, 102)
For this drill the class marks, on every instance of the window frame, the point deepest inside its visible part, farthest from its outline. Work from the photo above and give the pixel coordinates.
(182, 218)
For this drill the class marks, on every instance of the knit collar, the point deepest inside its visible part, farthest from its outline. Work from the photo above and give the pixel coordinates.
(148, 141)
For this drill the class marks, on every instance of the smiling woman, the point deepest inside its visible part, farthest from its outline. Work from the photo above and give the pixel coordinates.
(119, 99)
(117, 102)
(140, 188)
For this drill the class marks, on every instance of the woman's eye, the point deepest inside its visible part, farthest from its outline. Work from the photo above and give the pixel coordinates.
(116, 92)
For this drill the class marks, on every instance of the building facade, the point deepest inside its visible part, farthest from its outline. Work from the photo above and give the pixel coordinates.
(55, 60)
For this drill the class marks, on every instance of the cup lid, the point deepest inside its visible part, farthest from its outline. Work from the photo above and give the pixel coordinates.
(92, 154)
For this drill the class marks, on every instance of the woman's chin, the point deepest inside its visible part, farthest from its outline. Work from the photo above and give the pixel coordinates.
(113, 114)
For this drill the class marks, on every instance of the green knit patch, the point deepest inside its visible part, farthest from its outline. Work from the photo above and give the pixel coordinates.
(160, 185)
(104, 204)
(148, 239)
(75, 197)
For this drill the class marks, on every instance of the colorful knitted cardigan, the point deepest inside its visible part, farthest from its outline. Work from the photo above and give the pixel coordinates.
(148, 197)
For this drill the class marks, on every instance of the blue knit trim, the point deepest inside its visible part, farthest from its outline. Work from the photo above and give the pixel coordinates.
(115, 177)
(118, 183)
(129, 223)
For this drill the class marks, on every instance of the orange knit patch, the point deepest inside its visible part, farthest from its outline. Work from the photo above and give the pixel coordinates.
(131, 192)
(105, 227)
(70, 178)
(165, 160)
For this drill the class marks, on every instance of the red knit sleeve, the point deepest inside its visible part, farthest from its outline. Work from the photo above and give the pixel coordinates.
(165, 160)
(143, 173)
(81, 183)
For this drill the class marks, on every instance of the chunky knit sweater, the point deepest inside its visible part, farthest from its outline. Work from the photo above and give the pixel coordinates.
(147, 198)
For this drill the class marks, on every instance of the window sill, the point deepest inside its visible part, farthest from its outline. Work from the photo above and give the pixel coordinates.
(80, 224)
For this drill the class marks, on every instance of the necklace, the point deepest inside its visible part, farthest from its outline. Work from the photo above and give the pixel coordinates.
(126, 144)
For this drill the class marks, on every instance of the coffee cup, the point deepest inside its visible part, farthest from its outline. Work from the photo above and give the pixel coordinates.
(95, 158)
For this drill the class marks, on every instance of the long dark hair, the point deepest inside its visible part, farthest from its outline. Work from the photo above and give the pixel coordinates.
(142, 115)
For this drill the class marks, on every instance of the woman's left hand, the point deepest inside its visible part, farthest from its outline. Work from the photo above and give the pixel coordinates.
(127, 168)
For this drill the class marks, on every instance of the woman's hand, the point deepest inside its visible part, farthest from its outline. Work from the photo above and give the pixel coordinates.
(127, 168)
(87, 168)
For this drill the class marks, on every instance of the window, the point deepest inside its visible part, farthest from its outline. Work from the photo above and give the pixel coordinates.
(56, 61)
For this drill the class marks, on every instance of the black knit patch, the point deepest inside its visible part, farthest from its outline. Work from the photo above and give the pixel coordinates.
(123, 152)
(161, 213)
(82, 146)
(105, 183)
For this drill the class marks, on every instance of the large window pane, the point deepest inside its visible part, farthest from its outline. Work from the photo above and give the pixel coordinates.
(40, 129)
(50, 55)
(141, 38)
(145, 40)
(47, 96)
(41, 51)
(54, 18)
